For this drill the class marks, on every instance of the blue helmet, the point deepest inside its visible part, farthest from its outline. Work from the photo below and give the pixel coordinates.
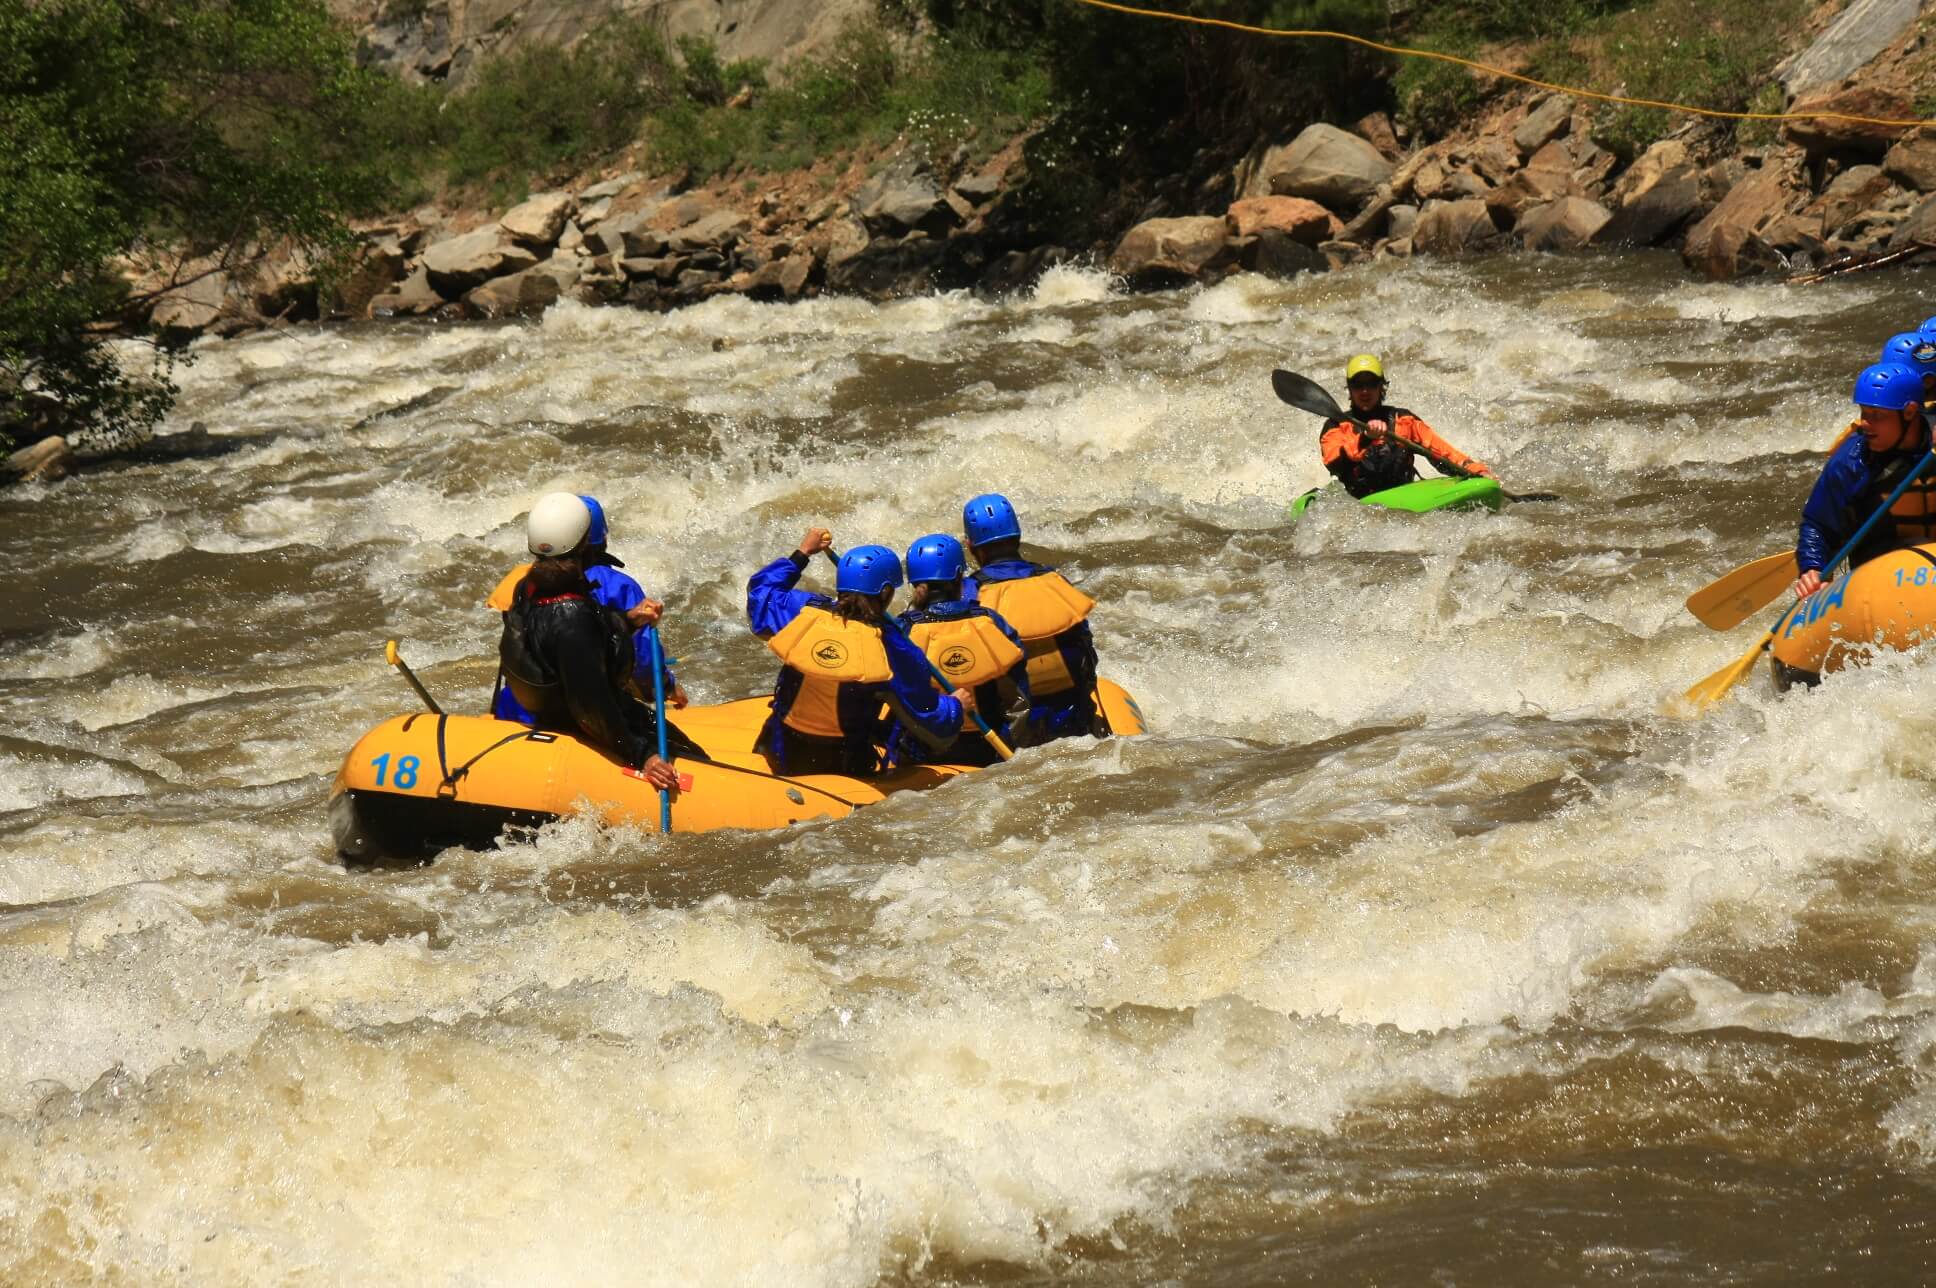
(1912, 349)
(869, 570)
(989, 517)
(936, 557)
(1889, 385)
(1928, 327)
(596, 535)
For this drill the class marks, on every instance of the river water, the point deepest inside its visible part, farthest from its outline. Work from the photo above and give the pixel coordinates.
(1418, 944)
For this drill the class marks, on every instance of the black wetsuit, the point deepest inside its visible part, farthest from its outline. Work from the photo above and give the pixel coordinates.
(567, 660)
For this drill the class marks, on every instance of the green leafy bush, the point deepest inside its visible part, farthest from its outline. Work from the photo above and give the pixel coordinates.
(213, 125)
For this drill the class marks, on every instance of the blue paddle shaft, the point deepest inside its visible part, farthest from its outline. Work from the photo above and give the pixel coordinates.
(658, 702)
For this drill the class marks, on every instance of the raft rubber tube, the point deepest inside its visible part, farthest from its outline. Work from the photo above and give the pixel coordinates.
(1886, 603)
(1421, 495)
(419, 783)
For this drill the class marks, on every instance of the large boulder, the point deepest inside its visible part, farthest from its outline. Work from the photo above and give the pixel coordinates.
(1306, 221)
(1325, 164)
(782, 278)
(1912, 162)
(1454, 228)
(1566, 224)
(1851, 42)
(1833, 134)
(1183, 247)
(902, 197)
(1650, 211)
(531, 291)
(459, 263)
(1719, 243)
(538, 220)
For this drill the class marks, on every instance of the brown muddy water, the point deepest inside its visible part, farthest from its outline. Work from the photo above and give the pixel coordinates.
(1416, 945)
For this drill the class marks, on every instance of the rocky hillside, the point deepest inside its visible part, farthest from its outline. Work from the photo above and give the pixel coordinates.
(1523, 172)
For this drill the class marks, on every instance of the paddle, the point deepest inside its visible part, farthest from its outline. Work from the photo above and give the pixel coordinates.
(659, 718)
(1731, 600)
(395, 659)
(888, 623)
(1306, 394)
(1715, 687)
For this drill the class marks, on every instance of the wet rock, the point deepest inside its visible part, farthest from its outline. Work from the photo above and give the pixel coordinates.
(515, 295)
(1400, 222)
(1826, 138)
(538, 220)
(376, 270)
(1463, 184)
(721, 228)
(1276, 253)
(1306, 221)
(1547, 121)
(781, 279)
(692, 279)
(1455, 228)
(842, 240)
(1185, 247)
(413, 297)
(42, 462)
(1366, 222)
(1912, 162)
(1326, 165)
(1566, 224)
(1652, 212)
(1851, 42)
(1723, 243)
(460, 263)
(887, 268)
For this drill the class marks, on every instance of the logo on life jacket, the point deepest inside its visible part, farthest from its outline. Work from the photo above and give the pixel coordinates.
(831, 654)
(957, 660)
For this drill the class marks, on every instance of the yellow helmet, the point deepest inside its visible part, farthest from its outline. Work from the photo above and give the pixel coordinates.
(1361, 364)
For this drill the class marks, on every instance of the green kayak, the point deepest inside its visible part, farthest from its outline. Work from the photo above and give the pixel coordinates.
(1422, 495)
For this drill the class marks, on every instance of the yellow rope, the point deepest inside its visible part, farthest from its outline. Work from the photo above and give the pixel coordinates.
(1501, 72)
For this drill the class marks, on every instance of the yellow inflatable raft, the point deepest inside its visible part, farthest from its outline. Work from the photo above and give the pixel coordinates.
(417, 783)
(1888, 602)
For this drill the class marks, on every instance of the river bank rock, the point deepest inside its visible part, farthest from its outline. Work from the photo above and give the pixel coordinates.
(1326, 165)
(1566, 224)
(1462, 227)
(1162, 248)
(537, 221)
(457, 264)
(1301, 220)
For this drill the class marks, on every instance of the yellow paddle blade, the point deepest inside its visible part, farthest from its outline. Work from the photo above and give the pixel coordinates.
(1731, 600)
(1711, 690)
(390, 653)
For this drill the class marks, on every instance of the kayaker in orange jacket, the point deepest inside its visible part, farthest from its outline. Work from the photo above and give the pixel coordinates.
(1362, 449)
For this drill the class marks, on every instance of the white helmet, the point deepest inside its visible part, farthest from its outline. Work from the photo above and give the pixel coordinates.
(558, 524)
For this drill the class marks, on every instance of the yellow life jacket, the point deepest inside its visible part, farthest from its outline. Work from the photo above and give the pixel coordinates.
(1039, 608)
(827, 650)
(500, 600)
(970, 651)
